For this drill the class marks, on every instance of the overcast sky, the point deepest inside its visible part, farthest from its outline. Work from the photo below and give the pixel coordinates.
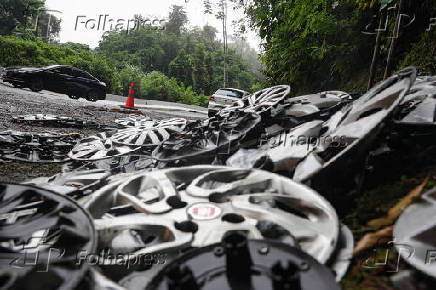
(92, 9)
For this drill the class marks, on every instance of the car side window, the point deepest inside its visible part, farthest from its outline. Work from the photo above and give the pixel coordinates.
(64, 71)
(78, 73)
(239, 95)
(89, 76)
(82, 74)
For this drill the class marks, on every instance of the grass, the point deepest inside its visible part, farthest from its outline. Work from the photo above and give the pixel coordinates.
(15, 172)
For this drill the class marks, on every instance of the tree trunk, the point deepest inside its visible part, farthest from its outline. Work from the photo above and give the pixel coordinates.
(225, 40)
(376, 50)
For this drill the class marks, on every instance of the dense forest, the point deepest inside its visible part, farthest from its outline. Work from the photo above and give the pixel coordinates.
(328, 44)
(312, 45)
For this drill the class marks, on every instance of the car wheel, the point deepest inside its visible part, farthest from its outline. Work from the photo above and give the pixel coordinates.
(92, 96)
(73, 97)
(36, 85)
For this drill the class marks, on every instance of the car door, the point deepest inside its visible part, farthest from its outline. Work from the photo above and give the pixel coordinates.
(60, 80)
(52, 79)
(83, 81)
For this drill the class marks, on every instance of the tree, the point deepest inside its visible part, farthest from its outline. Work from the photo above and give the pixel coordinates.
(222, 15)
(207, 7)
(177, 19)
(49, 26)
(209, 33)
(199, 74)
(28, 18)
(16, 14)
(248, 54)
(181, 68)
(194, 58)
(313, 46)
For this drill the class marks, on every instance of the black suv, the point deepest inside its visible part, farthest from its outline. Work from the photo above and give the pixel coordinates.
(57, 78)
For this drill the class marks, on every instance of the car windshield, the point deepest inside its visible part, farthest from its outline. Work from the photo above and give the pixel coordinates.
(229, 93)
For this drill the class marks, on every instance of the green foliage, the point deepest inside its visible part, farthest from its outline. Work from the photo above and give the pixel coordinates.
(28, 19)
(131, 74)
(181, 67)
(176, 20)
(15, 14)
(207, 7)
(155, 85)
(48, 26)
(193, 56)
(248, 55)
(199, 74)
(312, 45)
(423, 54)
(257, 86)
(318, 45)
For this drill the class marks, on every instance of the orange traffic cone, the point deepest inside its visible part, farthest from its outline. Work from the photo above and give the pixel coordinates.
(130, 103)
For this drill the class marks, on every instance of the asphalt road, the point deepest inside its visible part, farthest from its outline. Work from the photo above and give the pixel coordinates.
(142, 102)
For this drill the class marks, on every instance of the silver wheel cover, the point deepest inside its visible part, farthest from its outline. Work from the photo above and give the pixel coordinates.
(415, 234)
(307, 216)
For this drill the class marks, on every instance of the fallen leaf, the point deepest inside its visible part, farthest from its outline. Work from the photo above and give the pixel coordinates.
(370, 240)
(398, 209)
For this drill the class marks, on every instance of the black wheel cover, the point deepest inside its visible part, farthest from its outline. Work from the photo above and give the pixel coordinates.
(41, 236)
